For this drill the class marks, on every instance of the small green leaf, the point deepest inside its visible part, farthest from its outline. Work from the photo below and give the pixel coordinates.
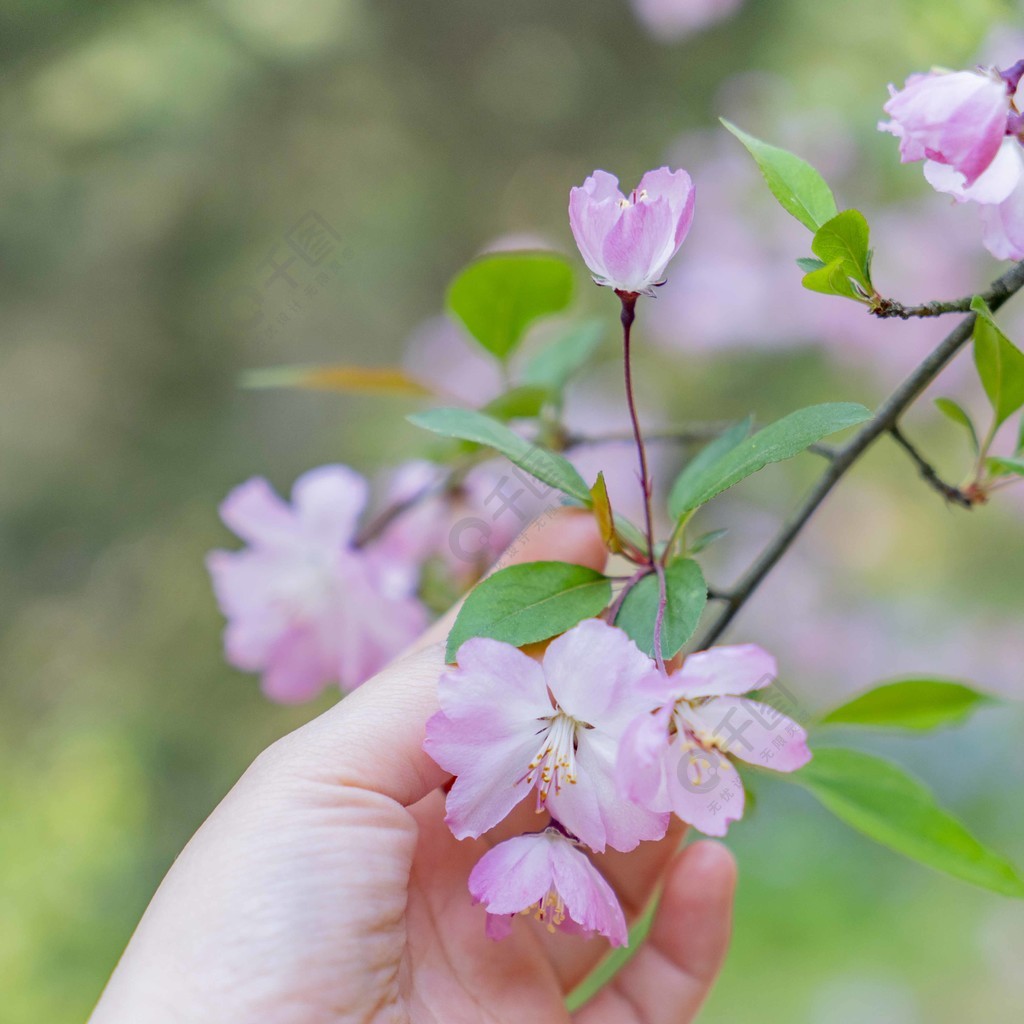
(526, 603)
(689, 481)
(956, 412)
(372, 380)
(917, 704)
(798, 187)
(845, 238)
(518, 404)
(468, 425)
(1020, 438)
(686, 594)
(808, 264)
(1000, 363)
(782, 440)
(498, 296)
(558, 362)
(1005, 467)
(832, 279)
(878, 798)
(705, 540)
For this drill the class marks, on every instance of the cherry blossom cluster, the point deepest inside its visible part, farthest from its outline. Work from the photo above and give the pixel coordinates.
(967, 127)
(320, 596)
(604, 748)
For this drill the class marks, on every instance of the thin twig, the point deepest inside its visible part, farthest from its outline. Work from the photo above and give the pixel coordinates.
(883, 421)
(887, 308)
(929, 473)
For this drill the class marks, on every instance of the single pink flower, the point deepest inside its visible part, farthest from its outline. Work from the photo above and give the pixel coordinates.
(548, 875)
(305, 607)
(675, 759)
(956, 118)
(627, 243)
(509, 725)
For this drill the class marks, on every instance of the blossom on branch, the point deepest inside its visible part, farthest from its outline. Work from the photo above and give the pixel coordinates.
(545, 874)
(510, 726)
(305, 605)
(627, 243)
(957, 119)
(675, 759)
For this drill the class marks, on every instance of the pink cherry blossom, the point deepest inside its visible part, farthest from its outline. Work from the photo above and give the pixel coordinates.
(509, 725)
(627, 243)
(546, 873)
(955, 118)
(305, 606)
(675, 759)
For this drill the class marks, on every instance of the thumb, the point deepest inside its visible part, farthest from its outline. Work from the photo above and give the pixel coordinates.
(373, 739)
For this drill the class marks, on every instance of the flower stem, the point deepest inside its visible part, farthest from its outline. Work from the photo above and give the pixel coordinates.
(628, 315)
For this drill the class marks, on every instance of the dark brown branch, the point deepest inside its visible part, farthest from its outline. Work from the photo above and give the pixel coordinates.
(883, 421)
(929, 473)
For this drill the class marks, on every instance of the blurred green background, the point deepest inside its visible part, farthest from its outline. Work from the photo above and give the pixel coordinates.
(157, 154)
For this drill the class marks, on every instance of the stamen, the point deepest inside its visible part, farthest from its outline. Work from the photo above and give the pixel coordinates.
(551, 910)
(554, 764)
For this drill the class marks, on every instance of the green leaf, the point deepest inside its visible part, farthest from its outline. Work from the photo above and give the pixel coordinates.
(526, 603)
(556, 363)
(468, 425)
(917, 704)
(879, 799)
(845, 239)
(956, 412)
(686, 594)
(518, 404)
(1005, 467)
(800, 189)
(1020, 438)
(705, 540)
(1000, 363)
(809, 264)
(373, 380)
(689, 481)
(782, 440)
(498, 296)
(832, 279)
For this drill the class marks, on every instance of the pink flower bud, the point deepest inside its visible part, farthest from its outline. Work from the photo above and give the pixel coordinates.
(627, 243)
(957, 118)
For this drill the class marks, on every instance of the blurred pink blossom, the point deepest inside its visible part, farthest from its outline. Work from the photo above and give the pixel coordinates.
(305, 606)
(672, 20)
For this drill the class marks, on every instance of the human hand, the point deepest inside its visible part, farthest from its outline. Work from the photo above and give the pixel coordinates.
(326, 887)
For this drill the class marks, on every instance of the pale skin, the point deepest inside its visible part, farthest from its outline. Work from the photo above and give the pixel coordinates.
(326, 889)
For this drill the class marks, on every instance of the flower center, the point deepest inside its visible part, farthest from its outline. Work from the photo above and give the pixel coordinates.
(554, 764)
(550, 911)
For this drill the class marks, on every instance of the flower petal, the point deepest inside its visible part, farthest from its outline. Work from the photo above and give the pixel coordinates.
(328, 501)
(593, 671)
(703, 788)
(256, 513)
(751, 731)
(595, 809)
(725, 670)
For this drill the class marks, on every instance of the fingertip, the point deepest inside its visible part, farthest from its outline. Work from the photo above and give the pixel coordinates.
(561, 534)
